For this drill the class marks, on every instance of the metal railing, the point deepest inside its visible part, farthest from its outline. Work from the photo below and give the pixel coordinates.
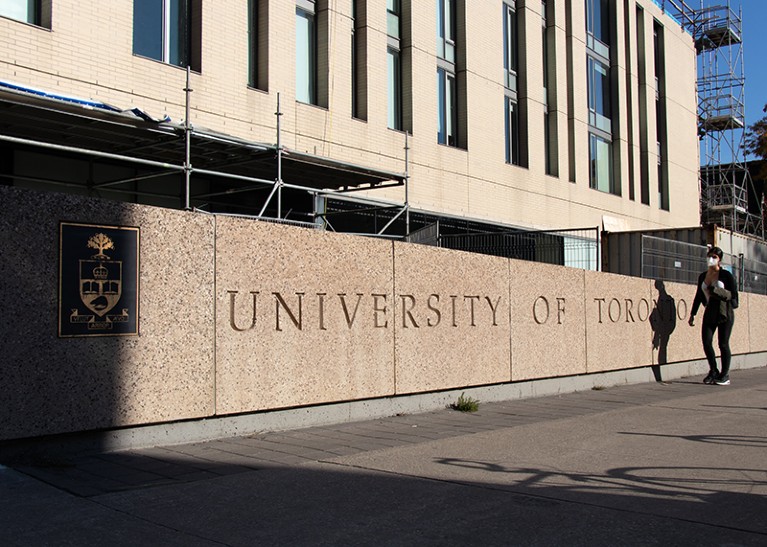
(577, 248)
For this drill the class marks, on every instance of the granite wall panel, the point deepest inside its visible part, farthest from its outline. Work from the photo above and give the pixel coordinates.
(303, 317)
(451, 318)
(54, 385)
(757, 321)
(618, 333)
(548, 332)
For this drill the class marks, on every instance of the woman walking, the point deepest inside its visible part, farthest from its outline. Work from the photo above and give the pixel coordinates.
(718, 292)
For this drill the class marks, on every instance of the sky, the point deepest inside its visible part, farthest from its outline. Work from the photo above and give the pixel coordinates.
(754, 54)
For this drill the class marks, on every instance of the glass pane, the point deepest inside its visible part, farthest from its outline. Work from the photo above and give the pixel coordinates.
(394, 89)
(148, 28)
(602, 32)
(450, 52)
(392, 24)
(452, 112)
(545, 56)
(512, 132)
(252, 42)
(449, 21)
(511, 43)
(440, 29)
(599, 95)
(21, 10)
(177, 33)
(441, 108)
(601, 164)
(304, 57)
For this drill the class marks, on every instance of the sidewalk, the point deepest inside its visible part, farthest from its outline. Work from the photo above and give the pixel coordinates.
(674, 464)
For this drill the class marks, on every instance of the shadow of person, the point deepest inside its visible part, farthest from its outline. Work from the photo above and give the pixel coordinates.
(663, 323)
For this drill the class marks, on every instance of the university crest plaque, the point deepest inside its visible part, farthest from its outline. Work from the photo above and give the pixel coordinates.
(98, 280)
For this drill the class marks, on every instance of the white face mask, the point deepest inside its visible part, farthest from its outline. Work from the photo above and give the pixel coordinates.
(713, 261)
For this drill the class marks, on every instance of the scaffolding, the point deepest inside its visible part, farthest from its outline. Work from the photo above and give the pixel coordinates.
(175, 164)
(724, 177)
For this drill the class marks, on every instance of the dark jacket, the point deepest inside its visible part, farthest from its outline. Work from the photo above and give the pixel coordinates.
(723, 300)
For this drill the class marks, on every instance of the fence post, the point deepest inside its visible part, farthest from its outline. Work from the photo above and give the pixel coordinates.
(741, 273)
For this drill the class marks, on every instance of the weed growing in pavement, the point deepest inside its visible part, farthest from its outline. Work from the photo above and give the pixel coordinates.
(465, 404)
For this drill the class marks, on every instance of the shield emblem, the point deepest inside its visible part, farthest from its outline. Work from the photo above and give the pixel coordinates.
(100, 284)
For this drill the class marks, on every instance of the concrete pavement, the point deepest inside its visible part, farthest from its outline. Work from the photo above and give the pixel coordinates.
(679, 463)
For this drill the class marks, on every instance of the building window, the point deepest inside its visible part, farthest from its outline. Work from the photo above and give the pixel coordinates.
(394, 71)
(600, 90)
(510, 58)
(447, 70)
(511, 63)
(598, 26)
(359, 59)
(27, 11)
(599, 95)
(306, 53)
(600, 163)
(394, 64)
(550, 148)
(447, 116)
(165, 30)
(512, 131)
(258, 54)
(446, 30)
(660, 117)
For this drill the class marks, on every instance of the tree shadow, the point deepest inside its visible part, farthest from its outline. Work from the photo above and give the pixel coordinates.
(753, 441)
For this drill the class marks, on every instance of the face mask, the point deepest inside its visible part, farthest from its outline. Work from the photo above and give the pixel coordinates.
(713, 261)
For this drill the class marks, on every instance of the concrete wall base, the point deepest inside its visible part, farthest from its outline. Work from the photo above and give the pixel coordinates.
(76, 444)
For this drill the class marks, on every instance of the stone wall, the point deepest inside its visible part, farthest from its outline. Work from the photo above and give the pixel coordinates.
(237, 316)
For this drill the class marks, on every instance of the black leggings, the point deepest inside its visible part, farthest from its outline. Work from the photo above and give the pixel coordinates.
(707, 335)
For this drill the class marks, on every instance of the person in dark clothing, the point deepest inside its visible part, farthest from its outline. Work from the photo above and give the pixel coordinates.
(718, 292)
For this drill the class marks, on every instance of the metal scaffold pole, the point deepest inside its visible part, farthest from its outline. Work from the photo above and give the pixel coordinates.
(187, 144)
(279, 159)
(407, 185)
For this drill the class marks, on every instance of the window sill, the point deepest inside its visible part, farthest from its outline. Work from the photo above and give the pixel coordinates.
(26, 23)
(158, 61)
(320, 107)
(453, 147)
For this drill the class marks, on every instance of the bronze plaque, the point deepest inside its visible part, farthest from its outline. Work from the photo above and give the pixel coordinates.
(98, 280)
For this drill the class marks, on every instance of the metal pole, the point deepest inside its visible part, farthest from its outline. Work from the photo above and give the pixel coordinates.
(407, 193)
(188, 144)
(279, 160)
(78, 150)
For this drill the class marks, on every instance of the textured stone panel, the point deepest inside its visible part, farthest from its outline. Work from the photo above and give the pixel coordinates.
(548, 333)
(757, 321)
(618, 333)
(53, 385)
(673, 338)
(741, 330)
(303, 317)
(451, 318)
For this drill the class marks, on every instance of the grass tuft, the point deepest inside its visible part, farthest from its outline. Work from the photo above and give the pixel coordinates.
(465, 404)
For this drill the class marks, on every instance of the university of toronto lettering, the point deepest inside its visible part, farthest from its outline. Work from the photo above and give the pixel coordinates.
(629, 311)
(289, 311)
